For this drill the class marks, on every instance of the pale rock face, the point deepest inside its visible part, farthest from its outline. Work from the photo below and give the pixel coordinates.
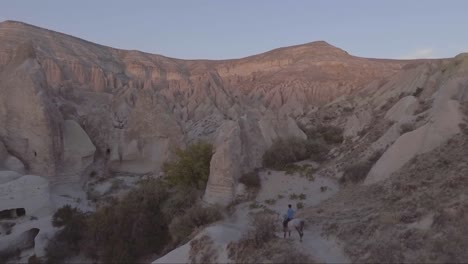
(239, 148)
(405, 82)
(225, 166)
(78, 148)
(356, 123)
(14, 164)
(6, 176)
(3, 152)
(403, 108)
(30, 124)
(147, 139)
(445, 117)
(29, 192)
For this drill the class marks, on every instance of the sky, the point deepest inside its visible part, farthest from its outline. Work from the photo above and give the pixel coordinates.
(222, 29)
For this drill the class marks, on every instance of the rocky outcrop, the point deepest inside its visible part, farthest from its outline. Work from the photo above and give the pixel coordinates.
(239, 148)
(225, 165)
(28, 192)
(403, 108)
(78, 148)
(443, 124)
(137, 108)
(30, 123)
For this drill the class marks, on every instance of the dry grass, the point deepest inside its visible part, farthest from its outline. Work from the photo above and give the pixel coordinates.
(357, 172)
(260, 244)
(202, 250)
(382, 223)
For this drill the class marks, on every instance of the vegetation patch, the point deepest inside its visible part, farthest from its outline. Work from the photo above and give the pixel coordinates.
(330, 134)
(145, 221)
(406, 127)
(191, 168)
(357, 172)
(251, 180)
(283, 152)
(260, 244)
(202, 250)
(300, 205)
(293, 196)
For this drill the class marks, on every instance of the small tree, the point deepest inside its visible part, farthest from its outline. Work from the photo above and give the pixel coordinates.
(192, 166)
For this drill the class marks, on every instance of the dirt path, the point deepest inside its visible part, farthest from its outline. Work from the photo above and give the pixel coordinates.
(324, 250)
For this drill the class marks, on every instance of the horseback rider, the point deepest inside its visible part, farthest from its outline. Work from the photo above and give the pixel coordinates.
(288, 217)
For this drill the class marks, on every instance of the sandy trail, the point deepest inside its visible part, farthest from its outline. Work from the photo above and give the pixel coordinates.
(274, 183)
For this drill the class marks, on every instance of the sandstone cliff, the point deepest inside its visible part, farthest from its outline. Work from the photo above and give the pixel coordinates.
(137, 108)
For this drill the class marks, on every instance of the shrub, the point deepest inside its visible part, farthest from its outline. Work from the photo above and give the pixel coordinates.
(356, 173)
(255, 205)
(192, 166)
(183, 226)
(270, 201)
(202, 250)
(179, 201)
(251, 179)
(68, 241)
(142, 222)
(463, 128)
(120, 232)
(290, 150)
(302, 196)
(65, 215)
(293, 196)
(131, 228)
(418, 92)
(423, 107)
(407, 127)
(280, 196)
(300, 205)
(330, 134)
(34, 260)
(260, 244)
(263, 229)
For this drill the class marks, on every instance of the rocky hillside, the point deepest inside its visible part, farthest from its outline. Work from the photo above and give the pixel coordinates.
(136, 108)
(72, 110)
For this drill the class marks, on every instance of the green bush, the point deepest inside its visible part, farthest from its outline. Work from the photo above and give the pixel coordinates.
(263, 229)
(300, 205)
(120, 232)
(251, 179)
(179, 201)
(131, 228)
(290, 150)
(68, 241)
(143, 222)
(192, 166)
(293, 196)
(183, 226)
(329, 134)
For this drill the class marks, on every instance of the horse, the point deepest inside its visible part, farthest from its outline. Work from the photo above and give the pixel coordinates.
(298, 224)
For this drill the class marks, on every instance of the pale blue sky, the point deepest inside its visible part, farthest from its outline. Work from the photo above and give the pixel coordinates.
(217, 29)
